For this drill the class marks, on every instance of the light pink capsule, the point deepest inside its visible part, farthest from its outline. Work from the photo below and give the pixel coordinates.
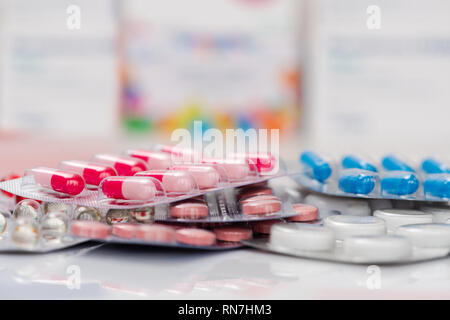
(258, 198)
(235, 169)
(233, 234)
(206, 176)
(129, 188)
(261, 207)
(156, 233)
(154, 160)
(196, 237)
(189, 210)
(173, 182)
(305, 212)
(124, 230)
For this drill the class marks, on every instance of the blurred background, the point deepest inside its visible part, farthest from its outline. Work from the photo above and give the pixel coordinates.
(84, 76)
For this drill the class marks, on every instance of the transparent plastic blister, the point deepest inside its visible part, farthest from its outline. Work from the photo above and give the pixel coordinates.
(393, 178)
(133, 183)
(29, 229)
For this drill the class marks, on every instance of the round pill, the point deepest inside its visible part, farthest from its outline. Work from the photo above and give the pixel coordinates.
(440, 215)
(302, 237)
(54, 226)
(254, 191)
(156, 233)
(189, 210)
(233, 234)
(25, 234)
(27, 208)
(260, 197)
(194, 236)
(348, 226)
(305, 212)
(261, 207)
(395, 218)
(90, 229)
(430, 235)
(379, 248)
(124, 230)
(264, 226)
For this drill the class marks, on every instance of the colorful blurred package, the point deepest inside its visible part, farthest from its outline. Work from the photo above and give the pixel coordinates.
(229, 63)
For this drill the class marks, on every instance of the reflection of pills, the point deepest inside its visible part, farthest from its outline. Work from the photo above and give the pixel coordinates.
(260, 207)
(430, 235)
(395, 218)
(440, 215)
(114, 216)
(348, 226)
(3, 223)
(86, 213)
(378, 248)
(193, 236)
(302, 237)
(264, 226)
(156, 233)
(27, 208)
(25, 234)
(90, 229)
(233, 234)
(189, 210)
(305, 212)
(124, 230)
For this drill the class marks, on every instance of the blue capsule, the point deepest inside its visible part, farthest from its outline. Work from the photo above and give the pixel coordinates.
(430, 165)
(321, 168)
(437, 186)
(392, 163)
(352, 162)
(357, 183)
(400, 184)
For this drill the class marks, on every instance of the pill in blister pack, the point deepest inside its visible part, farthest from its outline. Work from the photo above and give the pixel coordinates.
(92, 173)
(137, 188)
(154, 160)
(64, 182)
(174, 182)
(394, 178)
(125, 166)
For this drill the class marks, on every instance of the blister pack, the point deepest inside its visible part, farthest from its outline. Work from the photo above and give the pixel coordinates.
(393, 178)
(365, 232)
(140, 178)
(28, 229)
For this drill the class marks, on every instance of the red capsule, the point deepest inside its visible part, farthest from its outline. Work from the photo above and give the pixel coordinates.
(58, 180)
(129, 188)
(125, 166)
(93, 173)
(154, 160)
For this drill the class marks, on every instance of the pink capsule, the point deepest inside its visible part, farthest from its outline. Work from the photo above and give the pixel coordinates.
(129, 188)
(154, 160)
(92, 173)
(206, 176)
(235, 169)
(125, 166)
(58, 180)
(175, 150)
(263, 161)
(173, 182)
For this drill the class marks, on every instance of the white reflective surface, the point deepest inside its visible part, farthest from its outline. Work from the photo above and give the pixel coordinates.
(128, 272)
